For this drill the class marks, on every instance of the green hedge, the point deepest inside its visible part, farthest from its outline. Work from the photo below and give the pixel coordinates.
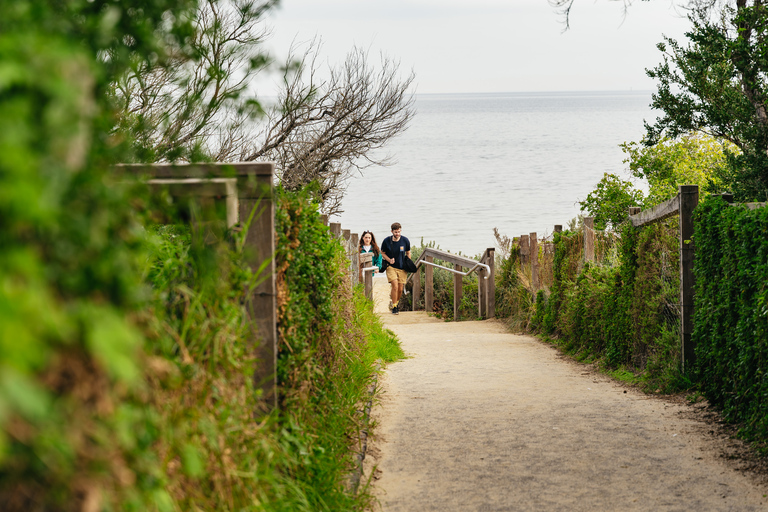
(619, 310)
(731, 319)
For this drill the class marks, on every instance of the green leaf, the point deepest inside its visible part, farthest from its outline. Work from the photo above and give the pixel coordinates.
(112, 341)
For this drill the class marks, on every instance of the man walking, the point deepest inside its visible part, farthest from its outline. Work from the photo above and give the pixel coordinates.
(394, 249)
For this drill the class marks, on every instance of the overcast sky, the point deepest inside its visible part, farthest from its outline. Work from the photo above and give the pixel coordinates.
(490, 45)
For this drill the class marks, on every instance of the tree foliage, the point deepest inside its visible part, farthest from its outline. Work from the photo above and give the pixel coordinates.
(692, 159)
(717, 85)
(609, 201)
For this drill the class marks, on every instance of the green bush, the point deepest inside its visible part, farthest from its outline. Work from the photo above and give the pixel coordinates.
(731, 312)
(619, 310)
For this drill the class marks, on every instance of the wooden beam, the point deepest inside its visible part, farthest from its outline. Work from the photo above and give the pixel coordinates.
(448, 257)
(213, 188)
(659, 212)
(254, 170)
(688, 198)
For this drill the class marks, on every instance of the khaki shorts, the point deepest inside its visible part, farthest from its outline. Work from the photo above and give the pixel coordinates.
(396, 274)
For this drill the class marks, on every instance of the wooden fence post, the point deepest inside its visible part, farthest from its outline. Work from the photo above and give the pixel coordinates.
(335, 228)
(457, 292)
(533, 250)
(416, 292)
(589, 239)
(491, 288)
(482, 291)
(486, 288)
(429, 290)
(524, 249)
(689, 198)
(354, 258)
(256, 192)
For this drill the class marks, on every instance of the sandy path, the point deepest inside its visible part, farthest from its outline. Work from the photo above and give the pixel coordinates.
(481, 419)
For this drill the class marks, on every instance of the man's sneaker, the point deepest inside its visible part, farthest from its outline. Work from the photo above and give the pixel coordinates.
(395, 311)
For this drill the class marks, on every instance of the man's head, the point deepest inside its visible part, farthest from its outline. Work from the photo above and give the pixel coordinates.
(396, 228)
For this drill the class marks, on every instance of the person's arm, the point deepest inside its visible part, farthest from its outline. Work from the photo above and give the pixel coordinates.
(384, 254)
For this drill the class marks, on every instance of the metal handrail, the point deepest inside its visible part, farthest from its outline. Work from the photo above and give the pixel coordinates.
(486, 267)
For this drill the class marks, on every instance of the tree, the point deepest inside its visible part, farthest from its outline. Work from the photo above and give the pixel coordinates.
(194, 104)
(692, 159)
(609, 201)
(202, 107)
(717, 85)
(325, 132)
(563, 7)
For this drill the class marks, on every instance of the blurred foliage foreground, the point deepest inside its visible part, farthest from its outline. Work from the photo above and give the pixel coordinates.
(159, 412)
(125, 360)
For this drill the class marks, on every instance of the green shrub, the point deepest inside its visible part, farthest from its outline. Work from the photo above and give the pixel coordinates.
(731, 312)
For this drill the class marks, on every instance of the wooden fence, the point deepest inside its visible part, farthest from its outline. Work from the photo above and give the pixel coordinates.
(682, 205)
(246, 189)
(486, 280)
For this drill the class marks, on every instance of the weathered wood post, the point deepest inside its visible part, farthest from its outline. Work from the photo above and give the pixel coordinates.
(366, 260)
(335, 228)
(482, 290)
(491, 288)
(457, 292)
(416, 292)
(689, 198)
(346, 236)
(324, 219)
(429, 290)
(354, 258)
(486, 288)
(589, 239)
(533, 250)
(558, 228)
(255, 190)
(524, 250)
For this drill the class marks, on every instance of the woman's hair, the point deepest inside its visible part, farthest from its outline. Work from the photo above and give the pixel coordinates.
(375, 247)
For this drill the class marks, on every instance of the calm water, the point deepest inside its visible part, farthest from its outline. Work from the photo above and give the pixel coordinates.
(518, 162)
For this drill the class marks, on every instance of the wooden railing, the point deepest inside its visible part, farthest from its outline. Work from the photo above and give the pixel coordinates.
(246, 189)
(683, 205)
(486, 283)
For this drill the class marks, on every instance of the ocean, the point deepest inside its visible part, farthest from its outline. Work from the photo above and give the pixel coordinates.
(519, 162)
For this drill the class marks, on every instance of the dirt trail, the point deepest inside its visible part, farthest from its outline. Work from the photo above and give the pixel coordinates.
(481, 419)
